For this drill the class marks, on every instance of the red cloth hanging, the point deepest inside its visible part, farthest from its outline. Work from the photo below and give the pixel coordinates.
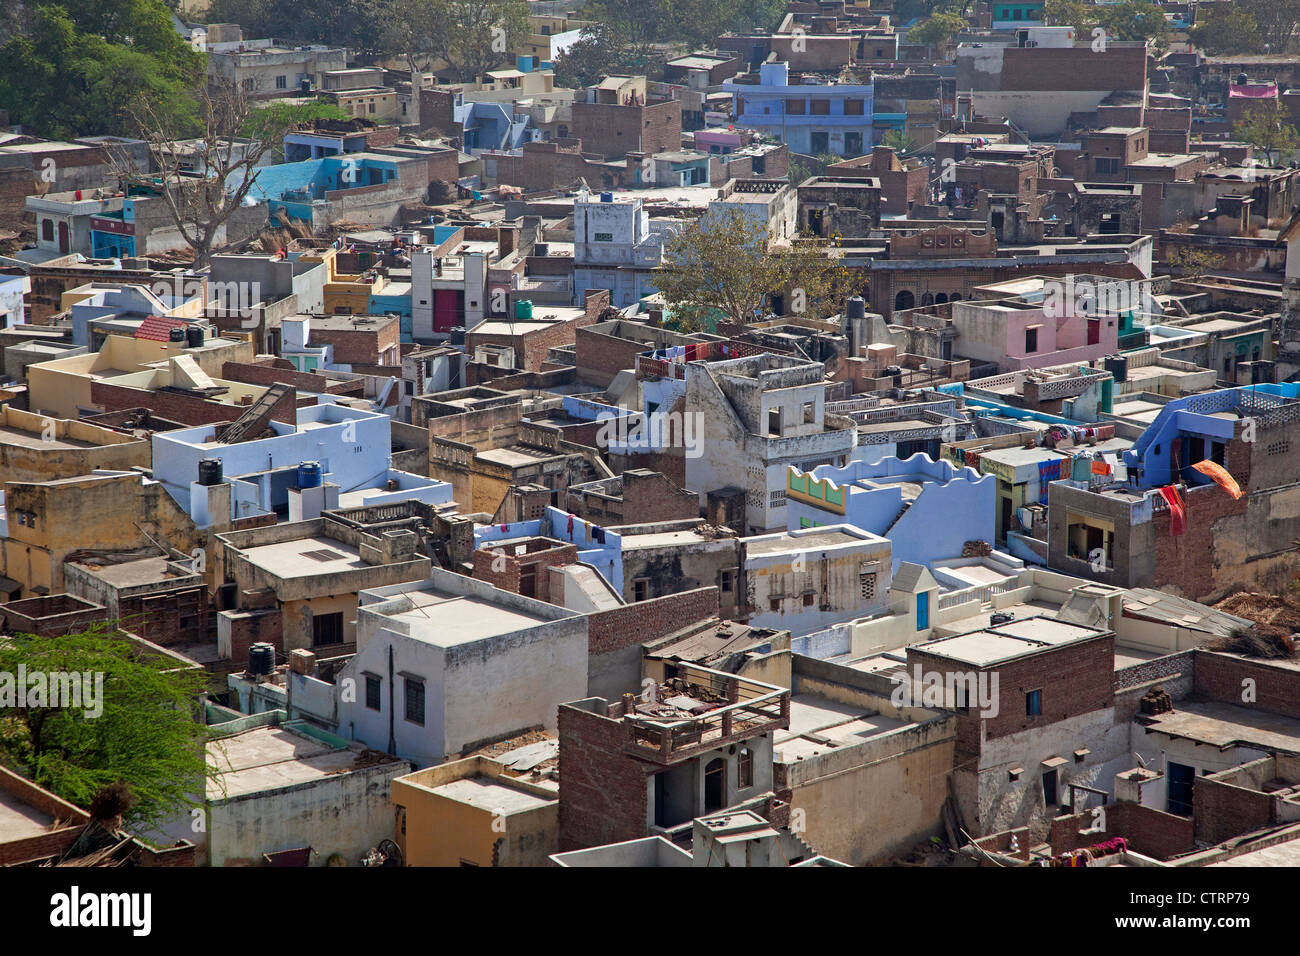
(1177, 516)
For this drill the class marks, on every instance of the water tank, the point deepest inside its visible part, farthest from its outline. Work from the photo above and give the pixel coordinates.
(1005, 617)
(523, 308)
(194, 336)
(309, 474)
(1117, 365)
(304, 86)
(606, 197)
(209, 471)
(1242, 79)
(857, 308)
(458, 335)
(541, 249)
(176, 334)
(261, 659)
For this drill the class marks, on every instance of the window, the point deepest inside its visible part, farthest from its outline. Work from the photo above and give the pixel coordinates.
(854, 108)
(744, 768)
(820, 107)
(774, 421)
(47, 230)
(867, 585)
(1107, 167)
(726, 582)
(327, 629)
(776, 499)
(414, 700)
(809, 412)
(809, 599)
(795, 107)
(281, 82)
(372, 107)
(1031, 340)
(1094, 331)
(604, 237)
(640, 589)
(372, 692)
(774, 605)
(1034, 703)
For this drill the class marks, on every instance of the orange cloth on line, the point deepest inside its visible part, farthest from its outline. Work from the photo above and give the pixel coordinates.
(1220, 476)
(1100, 468)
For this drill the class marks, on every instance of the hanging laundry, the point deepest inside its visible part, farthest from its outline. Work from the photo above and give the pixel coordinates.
(1220, 476)
(1177, 516)
(570, 527)
(1100, 467)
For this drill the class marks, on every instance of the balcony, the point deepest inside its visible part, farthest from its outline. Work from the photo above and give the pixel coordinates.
(698, 710)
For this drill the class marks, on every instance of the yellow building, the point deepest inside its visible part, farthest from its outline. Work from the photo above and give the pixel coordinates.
(471, 813)
(39, 448)
(44, 521)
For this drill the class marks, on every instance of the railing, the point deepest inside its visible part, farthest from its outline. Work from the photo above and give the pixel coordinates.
(756, 708)
(982, 593)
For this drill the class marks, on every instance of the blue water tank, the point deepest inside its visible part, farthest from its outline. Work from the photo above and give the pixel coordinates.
(606, 197)
(309, 474)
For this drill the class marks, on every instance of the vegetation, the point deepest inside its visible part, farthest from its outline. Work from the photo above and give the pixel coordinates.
(1226, 30)
(146, 735)
(1266, 127)
(1127, 20)
(938, 31)
(724, 264)
(75, 68)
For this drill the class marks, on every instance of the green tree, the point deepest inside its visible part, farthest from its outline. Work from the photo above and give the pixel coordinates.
(1225, 30)
(1276, 20)
(725, 264)
(145, 735)
(1070, 13)
(595, 54)
(938, 31)
(1266, 127)
(898, 141)
(271, 121)
(61, 80)
(1134, 20)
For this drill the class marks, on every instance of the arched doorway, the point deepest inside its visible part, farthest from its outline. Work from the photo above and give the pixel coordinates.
(904, 300)
(927, 299)
(941, 298)
(955, 297)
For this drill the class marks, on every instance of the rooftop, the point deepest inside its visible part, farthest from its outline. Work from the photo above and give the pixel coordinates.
(270, 758)
(1006, 642)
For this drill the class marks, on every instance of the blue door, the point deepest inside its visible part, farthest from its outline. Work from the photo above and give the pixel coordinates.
(923, 611)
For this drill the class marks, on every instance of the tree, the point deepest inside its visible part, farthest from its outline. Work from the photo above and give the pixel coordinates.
(1193, 262)
(1226, 30)
(271, 121)
(724, 264)
(478, 35)
(139, 727)
(200, 207)
(938, 31)
(1266, 128)
(594, 55)
(1070, 13)
(414, 30)
(898, 141)
(62, 80)
(1276, 20)
(1134, 20)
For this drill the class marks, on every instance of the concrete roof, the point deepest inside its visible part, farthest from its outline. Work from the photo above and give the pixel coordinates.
(19, 821)
(1225, 725)
(287, 559)
(448, 620)
(490, 794)
(819, 725)
(268, 758)
(1005, 642)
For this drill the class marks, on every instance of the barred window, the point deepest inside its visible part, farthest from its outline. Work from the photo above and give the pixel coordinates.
(776, 499)
(1279, 447)
(867, 583)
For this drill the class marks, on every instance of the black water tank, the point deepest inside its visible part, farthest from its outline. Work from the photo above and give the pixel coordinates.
(194, 336)
(1001, 618)
(458, 335)
(1117, 365)
(857, 308)
(176, 334)
(209, 471)
(261, 659)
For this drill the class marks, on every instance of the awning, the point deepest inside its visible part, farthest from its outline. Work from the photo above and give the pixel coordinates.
(1052, 762)
(9, 585)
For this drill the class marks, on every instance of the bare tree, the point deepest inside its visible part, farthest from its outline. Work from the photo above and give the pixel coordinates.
(205, 179)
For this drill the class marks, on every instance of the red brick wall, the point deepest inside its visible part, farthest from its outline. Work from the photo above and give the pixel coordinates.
(259, 628)
(512, 566)
(1223, 811)
(648, 620)
(1148, 831)
(602, 790)
(1220, 677)
(179, 407)
(1074, 679)
(612, 130)
(272, 374)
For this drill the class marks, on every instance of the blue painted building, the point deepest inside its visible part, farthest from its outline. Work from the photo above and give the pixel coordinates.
(810, 118)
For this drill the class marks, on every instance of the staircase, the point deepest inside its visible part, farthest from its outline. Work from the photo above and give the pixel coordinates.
(256, 417)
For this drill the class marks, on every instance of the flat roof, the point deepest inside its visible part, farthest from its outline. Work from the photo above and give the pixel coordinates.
(1226, 725)
(448, 620)
(825, 538)
(819, 725)
(305, 557)
(489, 793)
(18, 821)
(267, 758)
(26, 439)
(1005, 642)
